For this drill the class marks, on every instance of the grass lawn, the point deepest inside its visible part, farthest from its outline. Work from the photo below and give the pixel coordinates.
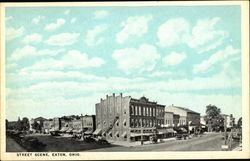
(62, 144)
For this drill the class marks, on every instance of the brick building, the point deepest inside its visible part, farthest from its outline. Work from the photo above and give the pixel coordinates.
(121, 118)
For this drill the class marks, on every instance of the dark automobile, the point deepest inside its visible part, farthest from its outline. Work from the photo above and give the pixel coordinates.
(55, 133)
(181, 133)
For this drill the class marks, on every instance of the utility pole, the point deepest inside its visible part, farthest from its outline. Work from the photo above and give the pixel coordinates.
(225, 130)
(82, 126)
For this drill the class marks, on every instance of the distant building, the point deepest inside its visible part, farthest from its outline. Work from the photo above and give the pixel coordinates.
(51, 125)
(187, 116)
(176, 119)
(85, 123)
(121, 118)
(39, 121)
(169, 119)
(229, 120)
(71, 124)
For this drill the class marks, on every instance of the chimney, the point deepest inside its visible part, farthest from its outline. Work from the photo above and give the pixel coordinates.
(107, 96)
(113, 94)
(121, 94)
(101, 99)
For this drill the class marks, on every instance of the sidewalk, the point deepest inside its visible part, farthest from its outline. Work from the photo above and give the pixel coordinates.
(238, 148)
(138, 143)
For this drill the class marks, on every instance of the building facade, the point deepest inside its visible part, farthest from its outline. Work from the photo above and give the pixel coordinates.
(71, 125)
(186, 116)
(229, 120)
(169, 119)
(121, 118)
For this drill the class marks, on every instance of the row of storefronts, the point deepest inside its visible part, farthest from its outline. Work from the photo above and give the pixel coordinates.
(121, 118)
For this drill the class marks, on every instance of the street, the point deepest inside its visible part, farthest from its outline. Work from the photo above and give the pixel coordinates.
(13, 146)
(207, 142)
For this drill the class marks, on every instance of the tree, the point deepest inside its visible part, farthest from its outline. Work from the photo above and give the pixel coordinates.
(239, 123)
(6, 124)
(25, 124)
(213, 118)
(36, 126)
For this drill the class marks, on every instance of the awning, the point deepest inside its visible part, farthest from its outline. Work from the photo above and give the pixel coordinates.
(166, 131)
(64, 129)
(70, 130)
(89, 131)
(97, 132)
(170, 130)
(77, 130)
(134, 134)
(183, 129)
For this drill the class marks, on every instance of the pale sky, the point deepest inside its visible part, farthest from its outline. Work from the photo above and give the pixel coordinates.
(62, 60)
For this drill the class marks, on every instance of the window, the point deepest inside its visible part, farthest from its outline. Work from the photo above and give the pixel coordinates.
(132, 123)
(144, 123)
(140, 123)
(136, 110)
(136, 123)
(139, 110)
(117, 123)
(124, 122)
(131, 110)
(146, 111)
(150, 112)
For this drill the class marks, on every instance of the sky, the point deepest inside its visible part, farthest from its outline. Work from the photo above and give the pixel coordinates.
(62, 60)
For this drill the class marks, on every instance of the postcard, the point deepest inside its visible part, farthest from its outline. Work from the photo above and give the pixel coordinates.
(110, 80)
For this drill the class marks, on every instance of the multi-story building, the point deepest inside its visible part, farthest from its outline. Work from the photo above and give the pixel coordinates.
(71, 125)
(121, 118)
(176, 119)
(187, 116)
(169, 119)
(39, 121)
(51, 125)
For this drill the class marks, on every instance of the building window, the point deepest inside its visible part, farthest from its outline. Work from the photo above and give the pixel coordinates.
(139, 110)
(150, 112)
(144, 111)
(140, 123)
(131, 122)
(124, 123)
(136, 110)
(117, 123)
(135, 123)
(131, 110)
(150, 123)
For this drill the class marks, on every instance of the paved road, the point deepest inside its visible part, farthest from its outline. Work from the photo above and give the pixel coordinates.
(208, 142)
(13, 146)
